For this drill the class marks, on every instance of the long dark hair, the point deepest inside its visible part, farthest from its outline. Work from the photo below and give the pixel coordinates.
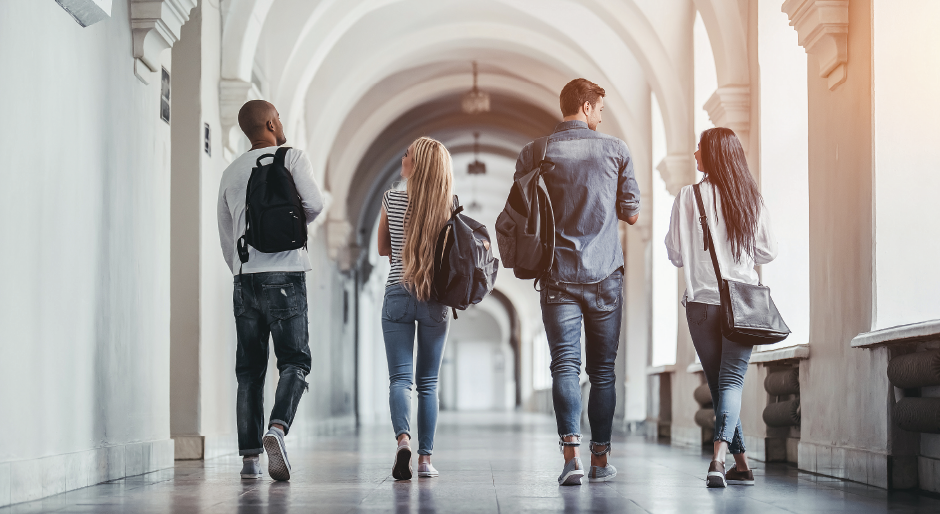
(726, 168)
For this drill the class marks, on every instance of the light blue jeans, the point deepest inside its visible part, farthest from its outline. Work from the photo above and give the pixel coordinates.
(724, 363)
(402, 316)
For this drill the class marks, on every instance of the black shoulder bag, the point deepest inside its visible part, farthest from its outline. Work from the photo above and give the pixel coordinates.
(748, 314)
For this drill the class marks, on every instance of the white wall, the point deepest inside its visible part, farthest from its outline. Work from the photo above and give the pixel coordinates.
(665, 276)
(907, 161)
(784, 165)
(86, 195)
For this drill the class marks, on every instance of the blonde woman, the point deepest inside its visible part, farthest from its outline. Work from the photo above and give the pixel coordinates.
(408, 229)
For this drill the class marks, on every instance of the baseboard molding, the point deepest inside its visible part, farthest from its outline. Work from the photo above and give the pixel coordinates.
(199, 447)
(865, 466)
(928, 473)
(28, 480)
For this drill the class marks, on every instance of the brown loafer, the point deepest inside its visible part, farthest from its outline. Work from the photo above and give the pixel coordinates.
(735, 477)
(716, 475)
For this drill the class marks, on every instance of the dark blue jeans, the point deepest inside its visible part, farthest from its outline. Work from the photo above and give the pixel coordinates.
(269, 305)
(724, 363)
(600, 307)
(402, 317)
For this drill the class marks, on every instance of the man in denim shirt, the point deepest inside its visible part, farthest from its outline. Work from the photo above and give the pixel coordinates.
(591, 186)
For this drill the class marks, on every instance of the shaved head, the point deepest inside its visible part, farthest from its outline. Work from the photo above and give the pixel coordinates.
(259, 120)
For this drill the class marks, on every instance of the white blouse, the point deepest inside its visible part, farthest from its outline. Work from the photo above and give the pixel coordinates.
(686, 248)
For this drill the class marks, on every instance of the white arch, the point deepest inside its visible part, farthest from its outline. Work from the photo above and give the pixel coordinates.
(412, 49)
(727, 33)
(332, 19)
(242, 23)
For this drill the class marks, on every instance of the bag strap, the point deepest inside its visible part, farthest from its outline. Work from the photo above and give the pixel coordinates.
(709, 242)
(541, 147)
(280, 156)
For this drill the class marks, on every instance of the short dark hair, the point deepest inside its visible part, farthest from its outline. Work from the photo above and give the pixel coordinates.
(576, 92)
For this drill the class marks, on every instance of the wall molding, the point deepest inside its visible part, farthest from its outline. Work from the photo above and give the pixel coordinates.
(156, 25)
(823, 28)
(730, 107)
(33, 479)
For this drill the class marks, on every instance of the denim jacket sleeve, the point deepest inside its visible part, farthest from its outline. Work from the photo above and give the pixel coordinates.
(628, 192)
(522, 163)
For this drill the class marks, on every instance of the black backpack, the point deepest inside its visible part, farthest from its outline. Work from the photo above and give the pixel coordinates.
(464, 266)
(274, 213)
(525, 230)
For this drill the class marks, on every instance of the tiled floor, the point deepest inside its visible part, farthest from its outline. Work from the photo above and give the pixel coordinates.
(488, 463)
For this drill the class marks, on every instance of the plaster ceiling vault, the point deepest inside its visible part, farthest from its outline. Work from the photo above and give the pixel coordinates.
(356, 81)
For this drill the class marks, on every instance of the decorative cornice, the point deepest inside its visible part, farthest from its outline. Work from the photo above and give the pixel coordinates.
(156, 27)
(676, 171)
(823, 28)
(87, 12)
(233, 93)
(730, 107)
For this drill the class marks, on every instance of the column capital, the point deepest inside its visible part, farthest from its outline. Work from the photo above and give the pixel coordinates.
(676, 171)
(156, 27)
(823, 28)
(233, 93)
(730, 107)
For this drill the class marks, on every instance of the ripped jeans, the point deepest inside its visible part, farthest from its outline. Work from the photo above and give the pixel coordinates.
(724, 363)
(269, 305)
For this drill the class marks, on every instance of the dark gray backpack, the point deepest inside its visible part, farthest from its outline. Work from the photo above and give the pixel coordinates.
(464, 266)
(525, 230)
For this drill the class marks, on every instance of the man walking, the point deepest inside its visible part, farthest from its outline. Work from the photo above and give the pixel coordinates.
(270, 298)
(591, 186)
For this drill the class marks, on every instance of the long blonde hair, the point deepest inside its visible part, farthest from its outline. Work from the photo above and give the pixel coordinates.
(430, 203)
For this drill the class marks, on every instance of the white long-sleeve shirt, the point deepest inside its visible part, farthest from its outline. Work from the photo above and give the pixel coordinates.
(231, 211)
(686, 248)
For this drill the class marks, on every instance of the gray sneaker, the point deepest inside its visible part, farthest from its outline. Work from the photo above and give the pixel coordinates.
(599, 474)
(251, 467)
(278, 465)
(572, 473)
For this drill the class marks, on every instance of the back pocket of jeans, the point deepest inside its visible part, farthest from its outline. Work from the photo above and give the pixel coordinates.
(397, 304)
(238, 301)
(281, 300)
(609, 293)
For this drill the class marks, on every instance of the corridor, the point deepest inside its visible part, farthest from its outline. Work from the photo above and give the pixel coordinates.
(489, 462)
(118, 390)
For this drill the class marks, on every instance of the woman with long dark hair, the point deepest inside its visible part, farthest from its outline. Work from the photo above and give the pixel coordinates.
(408, 229)
(740, 227)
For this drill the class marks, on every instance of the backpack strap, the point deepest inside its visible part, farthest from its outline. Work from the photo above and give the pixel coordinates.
(280, 156)
(538, 151)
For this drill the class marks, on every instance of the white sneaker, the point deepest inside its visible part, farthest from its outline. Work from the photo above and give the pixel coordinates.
(278, 465)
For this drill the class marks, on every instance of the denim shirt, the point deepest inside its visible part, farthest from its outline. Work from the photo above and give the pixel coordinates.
(591, 186)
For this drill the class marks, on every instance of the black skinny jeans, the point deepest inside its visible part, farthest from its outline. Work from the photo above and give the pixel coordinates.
(269, 305)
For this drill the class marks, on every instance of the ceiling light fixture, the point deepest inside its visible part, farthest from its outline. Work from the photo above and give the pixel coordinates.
(475, 101)
(476, 167)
